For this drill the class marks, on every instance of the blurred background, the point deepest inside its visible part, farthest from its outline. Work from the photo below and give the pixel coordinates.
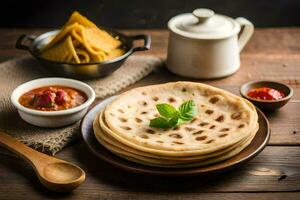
(132, 14)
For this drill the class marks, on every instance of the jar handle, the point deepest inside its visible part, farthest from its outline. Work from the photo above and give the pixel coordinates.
(246, 32)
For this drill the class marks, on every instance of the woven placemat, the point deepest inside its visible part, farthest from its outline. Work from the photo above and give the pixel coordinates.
(19, 70)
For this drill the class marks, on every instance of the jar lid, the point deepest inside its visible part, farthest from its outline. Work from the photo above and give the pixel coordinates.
(203, 24)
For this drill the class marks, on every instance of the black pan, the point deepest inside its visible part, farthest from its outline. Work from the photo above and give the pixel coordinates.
(33, 44)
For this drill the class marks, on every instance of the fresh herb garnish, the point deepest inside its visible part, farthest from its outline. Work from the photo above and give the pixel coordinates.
(171, 117)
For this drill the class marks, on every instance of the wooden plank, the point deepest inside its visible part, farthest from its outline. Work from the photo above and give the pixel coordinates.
(88, 195)
(265, 42)
(260, 174)
(285, 125)
(275, 169)
(286, 70)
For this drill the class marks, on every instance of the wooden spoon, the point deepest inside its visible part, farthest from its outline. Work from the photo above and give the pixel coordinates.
(57, 175)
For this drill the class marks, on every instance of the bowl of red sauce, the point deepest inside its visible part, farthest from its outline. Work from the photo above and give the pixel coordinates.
(52, 102)
(267, 95)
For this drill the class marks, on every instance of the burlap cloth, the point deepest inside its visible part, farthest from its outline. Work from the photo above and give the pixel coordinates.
(17, 71)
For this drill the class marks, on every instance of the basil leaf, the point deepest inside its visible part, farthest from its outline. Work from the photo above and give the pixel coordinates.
(167, 110)
(188, 110)
(170, 117)
(160, 122)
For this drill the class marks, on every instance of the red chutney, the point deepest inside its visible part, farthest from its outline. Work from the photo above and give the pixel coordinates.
(52, 98)
(265, 93)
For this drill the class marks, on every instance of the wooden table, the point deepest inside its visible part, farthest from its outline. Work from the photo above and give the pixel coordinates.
(272, 54)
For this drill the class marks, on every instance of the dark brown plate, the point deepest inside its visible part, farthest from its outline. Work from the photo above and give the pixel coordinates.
(257, 145)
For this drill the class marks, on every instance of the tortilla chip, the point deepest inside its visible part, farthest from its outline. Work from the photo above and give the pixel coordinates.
(61, 51)
(81, 41)
(76, 17)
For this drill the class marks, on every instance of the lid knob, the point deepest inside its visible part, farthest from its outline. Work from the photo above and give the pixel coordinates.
(203, 14)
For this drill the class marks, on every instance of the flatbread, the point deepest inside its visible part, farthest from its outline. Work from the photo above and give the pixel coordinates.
(159, 162)
(101, 135)
(223, 119)
(224, 125)
(210, 161)
(124, 144)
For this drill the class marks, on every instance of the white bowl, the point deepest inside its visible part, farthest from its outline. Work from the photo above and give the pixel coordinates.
(52, 119)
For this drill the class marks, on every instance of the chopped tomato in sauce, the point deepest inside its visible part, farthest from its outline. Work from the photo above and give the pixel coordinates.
(52, 98)
(265, 93)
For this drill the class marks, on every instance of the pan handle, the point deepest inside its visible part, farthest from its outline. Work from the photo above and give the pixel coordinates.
(22, 39)
(147, 42)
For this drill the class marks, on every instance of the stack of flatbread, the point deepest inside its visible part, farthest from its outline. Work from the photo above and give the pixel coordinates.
(224, 125)
(81, 41)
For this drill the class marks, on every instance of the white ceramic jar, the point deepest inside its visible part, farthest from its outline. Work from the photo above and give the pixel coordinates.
(206, 45)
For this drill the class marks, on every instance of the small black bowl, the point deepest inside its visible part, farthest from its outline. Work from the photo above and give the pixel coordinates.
(269, 105)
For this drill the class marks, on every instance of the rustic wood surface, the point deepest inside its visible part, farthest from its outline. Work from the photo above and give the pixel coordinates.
(272, 54)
